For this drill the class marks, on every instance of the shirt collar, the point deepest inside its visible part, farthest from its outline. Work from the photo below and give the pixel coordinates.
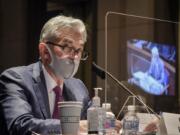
(50, 82)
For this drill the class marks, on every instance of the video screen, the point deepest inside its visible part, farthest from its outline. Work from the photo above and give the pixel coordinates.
(151, 66)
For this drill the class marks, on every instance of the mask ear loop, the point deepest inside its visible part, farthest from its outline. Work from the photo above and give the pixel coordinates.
(51, 55)
(52, 58)
(76, 66)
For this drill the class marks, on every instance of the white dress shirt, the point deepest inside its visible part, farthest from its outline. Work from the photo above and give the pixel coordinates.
(50, 84)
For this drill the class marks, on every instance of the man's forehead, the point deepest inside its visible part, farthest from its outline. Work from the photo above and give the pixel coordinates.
(71, 35)
(71, 40)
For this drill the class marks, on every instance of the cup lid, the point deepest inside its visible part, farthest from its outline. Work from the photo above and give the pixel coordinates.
(70, 103)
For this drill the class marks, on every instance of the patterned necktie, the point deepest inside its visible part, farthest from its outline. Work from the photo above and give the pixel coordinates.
(58, 98)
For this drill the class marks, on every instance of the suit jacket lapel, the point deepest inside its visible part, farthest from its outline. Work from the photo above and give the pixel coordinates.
(41, 90)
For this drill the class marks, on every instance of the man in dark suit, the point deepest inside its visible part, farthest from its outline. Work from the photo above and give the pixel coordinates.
(27, 95)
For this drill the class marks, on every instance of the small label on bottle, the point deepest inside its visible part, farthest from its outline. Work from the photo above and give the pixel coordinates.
(131, 125)
(109, 123)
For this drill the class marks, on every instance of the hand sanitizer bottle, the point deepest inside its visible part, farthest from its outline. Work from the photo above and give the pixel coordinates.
(95, 115)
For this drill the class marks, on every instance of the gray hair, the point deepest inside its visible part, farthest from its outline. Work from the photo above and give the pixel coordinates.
(51, 29)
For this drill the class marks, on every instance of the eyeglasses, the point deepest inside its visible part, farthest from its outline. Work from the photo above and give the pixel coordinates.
(68, 50)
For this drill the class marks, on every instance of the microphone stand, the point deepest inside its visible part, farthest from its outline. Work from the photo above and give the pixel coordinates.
(126, 89)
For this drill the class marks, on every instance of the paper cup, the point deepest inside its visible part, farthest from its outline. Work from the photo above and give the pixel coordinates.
(69, 113)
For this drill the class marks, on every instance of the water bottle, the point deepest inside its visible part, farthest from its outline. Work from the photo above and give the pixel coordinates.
(110, 119)
(101, 119)
(131, 121)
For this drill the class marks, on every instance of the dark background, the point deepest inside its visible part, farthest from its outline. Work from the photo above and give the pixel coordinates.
(21, 22)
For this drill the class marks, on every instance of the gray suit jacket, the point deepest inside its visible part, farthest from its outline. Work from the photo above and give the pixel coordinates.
(24, 105)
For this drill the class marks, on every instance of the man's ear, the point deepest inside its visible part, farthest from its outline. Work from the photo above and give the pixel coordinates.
(44, 53)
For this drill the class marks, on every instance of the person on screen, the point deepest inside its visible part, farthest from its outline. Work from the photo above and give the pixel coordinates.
(28, 94)
(157, 69)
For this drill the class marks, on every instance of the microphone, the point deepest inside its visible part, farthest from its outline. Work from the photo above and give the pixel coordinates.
(98, 71)
(102, 72)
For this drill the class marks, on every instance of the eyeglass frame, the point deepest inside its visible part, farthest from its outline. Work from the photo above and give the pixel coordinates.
(84, 54)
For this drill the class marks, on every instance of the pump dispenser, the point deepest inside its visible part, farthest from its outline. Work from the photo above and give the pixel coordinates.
(96, 99)
(95, 115)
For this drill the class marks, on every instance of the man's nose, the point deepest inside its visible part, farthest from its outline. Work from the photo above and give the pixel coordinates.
(72, 55)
